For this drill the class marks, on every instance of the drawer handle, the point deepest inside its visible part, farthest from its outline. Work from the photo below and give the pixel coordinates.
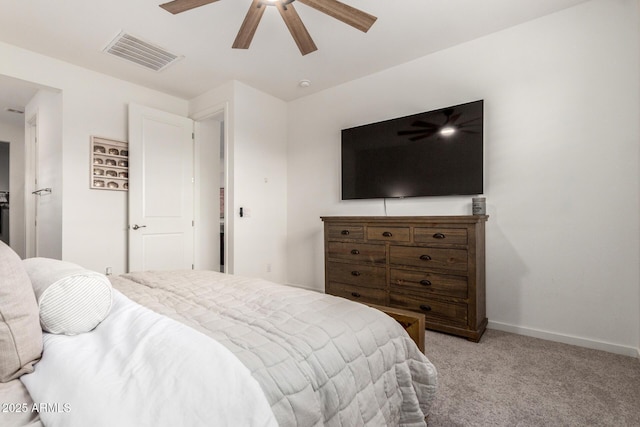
(425, 257)
(387, 234)
(425, 282)
(355, 273)
(439, 236)
(425, 307)
(355, 252)
(355, 295)
(345, 232)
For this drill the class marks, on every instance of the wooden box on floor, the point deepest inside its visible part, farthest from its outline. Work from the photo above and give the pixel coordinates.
(412, 322)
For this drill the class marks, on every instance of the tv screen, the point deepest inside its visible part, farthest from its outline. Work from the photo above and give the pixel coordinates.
(436, 153)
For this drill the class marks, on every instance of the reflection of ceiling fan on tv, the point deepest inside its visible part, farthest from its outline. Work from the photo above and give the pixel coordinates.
(347, 14)
(423, 129)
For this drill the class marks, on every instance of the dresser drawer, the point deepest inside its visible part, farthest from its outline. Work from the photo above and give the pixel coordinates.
(422, 282)
(345, 232)
(435, 310)
(429, 258)
(389, 234)
(364, 295)
(445, 236)
(356, 274)
(358, 252)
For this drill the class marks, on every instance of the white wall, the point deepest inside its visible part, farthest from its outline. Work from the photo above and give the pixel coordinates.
(260, 183)
(561, 168)
(94, 222)
(257, 177)
(15, 136)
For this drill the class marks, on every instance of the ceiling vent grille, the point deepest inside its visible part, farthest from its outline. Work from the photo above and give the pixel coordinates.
(148, 55)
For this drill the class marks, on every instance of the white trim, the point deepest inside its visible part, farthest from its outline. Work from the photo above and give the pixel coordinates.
(566, 339)
(295, 285)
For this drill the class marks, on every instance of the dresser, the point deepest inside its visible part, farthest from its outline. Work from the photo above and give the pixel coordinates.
(433, 265)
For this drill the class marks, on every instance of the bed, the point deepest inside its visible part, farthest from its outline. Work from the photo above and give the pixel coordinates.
(205, 348)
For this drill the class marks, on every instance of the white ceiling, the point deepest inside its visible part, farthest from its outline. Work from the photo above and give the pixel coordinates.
(76, 31)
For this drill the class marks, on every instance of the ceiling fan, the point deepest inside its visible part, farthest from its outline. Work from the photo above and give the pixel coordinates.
(449, 127)
(347, 14)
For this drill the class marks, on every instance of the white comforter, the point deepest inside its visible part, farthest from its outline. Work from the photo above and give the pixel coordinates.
(320, 360)
(139, 368)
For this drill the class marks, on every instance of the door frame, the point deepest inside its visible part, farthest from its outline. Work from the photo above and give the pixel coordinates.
(206, 114)
(31, 175)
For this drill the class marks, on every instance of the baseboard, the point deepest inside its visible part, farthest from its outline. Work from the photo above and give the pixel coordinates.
(566, 339)
(295, 285)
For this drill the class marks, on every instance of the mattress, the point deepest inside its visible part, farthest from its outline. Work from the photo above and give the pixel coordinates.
(319, 359)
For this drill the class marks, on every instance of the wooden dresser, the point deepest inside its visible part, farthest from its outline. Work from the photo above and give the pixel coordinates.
(432, 265)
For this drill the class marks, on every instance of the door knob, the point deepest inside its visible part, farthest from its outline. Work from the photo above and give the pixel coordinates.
(136, 226)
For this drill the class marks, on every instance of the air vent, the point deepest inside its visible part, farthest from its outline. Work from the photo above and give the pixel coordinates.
(140, 52)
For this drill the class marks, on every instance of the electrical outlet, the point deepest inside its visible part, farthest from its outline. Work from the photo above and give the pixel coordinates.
(269, 268)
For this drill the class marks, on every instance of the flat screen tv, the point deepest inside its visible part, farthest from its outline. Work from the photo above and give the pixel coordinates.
(436, 153)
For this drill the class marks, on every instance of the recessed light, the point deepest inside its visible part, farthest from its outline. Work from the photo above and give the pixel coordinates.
(304, 83)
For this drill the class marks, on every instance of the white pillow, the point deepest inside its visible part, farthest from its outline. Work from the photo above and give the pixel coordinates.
(72, 300)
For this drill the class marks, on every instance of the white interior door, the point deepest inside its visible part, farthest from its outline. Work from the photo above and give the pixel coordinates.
(160, 190)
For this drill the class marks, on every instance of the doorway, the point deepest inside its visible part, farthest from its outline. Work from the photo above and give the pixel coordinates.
(4, 191)
(194, 205)
(211, 191)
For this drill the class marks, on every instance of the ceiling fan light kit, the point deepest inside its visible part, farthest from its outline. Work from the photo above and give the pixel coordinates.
(334, 8)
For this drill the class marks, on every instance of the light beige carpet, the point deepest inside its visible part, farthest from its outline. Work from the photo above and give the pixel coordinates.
(512, 380)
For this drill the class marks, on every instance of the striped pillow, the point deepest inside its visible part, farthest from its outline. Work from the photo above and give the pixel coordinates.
(72, 300)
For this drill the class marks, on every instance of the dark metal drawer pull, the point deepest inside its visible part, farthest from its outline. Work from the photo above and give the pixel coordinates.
(355, 273)
(439, 236)
(345, 232)
(425, 257)
(425, 307)
(355, 252)
(355, 295)
(425, 282)
(387, 234)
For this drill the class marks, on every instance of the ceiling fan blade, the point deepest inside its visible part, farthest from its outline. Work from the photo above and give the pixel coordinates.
(465, 123)
(453, 118)
(422, 123)
(347, 14)
(419, 137)
(296, 28)
(177, 6)
(414, 132)
(249, 25)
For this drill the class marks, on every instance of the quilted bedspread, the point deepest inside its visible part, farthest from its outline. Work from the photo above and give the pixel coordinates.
(320, 360)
